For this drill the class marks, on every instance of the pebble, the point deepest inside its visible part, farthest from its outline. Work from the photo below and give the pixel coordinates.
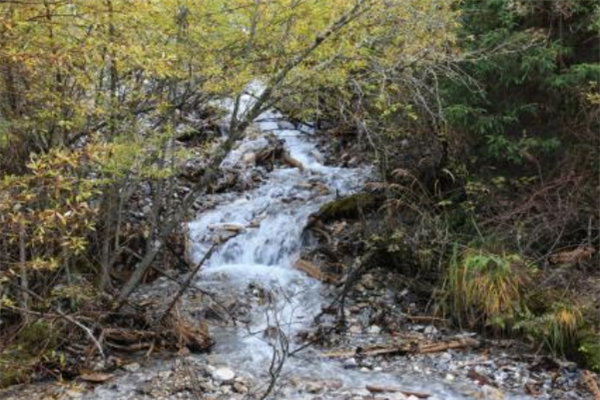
(355, 329)
(224, 375)
(240, 388)
(490, 393)
(430, 330)
(313, 387)
(350, 363)
(395, 396)
(133, 367)
(374, 330)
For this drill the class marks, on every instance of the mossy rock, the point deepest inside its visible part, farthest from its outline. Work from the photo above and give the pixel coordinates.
(348, 207)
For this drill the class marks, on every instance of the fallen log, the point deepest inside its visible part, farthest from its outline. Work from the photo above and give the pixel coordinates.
(408, 348)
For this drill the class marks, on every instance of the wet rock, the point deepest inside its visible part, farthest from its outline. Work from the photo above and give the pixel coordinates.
(240, 388)
(73, 394)
(350, 363)
(249, 158)
(355, 329)
(374, 330)
(224, 375)
(490, 393)
(430, 330)
(133, 367)
(368, 281)
(314, 387)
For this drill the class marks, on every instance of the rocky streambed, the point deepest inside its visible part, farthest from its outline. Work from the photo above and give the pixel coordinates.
(270, 312)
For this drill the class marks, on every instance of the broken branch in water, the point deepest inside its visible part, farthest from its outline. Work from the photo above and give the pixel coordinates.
(387, 389)
(409, 348)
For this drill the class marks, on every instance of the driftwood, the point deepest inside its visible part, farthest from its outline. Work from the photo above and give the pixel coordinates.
(314, 272)
(482, 379)
(408, 348)
(96, 377)
(173, 333)
(387, 389)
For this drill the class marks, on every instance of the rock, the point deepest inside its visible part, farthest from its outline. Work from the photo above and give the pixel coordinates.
(224, 375)
(133, 367)
(334, 384)
(165, 374)
(449, 377)
(353, 162)
(347, 207)
(249, 158)
(73, 394)
(430, 330)
(313, 387)
(350, 363)
(374, 330)
(490, 393)
(225, 389)
(355, 329)
(368, 281)
(240, 388)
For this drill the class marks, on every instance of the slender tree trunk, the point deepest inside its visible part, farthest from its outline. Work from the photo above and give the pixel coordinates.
(24, 272)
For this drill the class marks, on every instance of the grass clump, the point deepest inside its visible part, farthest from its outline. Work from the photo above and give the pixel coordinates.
(34, 347)
(488, 290)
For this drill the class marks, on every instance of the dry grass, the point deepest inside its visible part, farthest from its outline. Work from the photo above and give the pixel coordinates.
(485, 289)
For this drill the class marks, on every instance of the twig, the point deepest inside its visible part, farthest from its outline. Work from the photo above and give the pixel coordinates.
(188, 281)
(67, 318)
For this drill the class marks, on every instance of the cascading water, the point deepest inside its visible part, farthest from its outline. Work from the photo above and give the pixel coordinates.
(270, 220)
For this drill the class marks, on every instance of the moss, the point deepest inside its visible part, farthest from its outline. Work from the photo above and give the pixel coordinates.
(35, 344)
(589, 351)
(13, 371)
(348, 207)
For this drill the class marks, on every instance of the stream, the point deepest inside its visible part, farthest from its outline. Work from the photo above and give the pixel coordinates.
(261, 235)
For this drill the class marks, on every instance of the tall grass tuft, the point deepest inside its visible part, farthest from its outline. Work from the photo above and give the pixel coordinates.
(484, 289)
